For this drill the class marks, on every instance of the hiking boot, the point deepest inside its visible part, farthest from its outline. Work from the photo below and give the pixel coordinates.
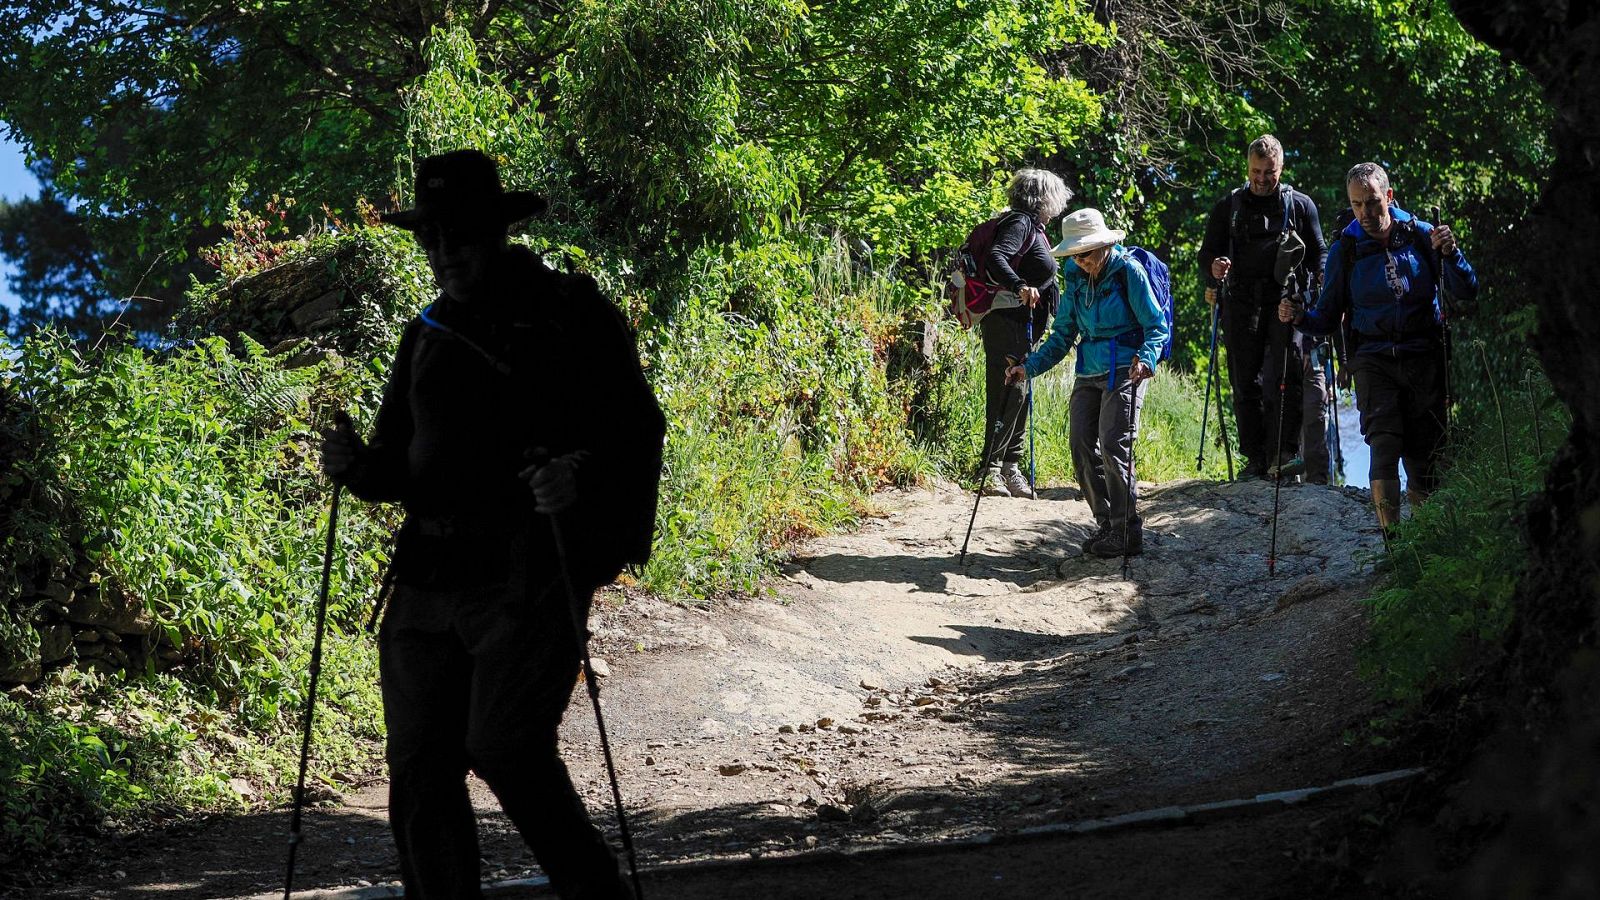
(1099, 532)
(993, 484)
(1111, 545)
(1016, 481)
(1253, 469)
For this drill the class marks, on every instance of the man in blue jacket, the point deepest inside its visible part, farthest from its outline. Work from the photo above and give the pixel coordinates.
(1385, 271)
(1109, 312)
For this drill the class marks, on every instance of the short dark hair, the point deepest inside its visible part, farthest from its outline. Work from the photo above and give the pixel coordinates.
(1365, 172)
(1267, 147)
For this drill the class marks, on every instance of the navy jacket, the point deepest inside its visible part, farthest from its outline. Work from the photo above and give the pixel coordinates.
(1391, 291)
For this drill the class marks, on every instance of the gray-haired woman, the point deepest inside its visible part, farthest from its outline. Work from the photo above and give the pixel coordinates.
(1019, 262)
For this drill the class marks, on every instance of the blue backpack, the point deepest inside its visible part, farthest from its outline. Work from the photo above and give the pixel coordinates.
(1160, 285)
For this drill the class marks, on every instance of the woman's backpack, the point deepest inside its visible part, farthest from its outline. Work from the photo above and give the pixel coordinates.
(970, 293)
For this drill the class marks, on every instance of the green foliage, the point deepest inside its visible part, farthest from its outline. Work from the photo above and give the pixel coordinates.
(780, 416)
(85, 752)
(1446, 600)
(187, 482)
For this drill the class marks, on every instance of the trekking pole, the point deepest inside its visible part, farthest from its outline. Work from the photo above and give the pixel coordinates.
(1446, 301)
(1277, 481)
(1211, 370)
(1505, 441)
(580, 633)
(1329, 375)
(311, 693)
(1222, 421)
(984, 464)
(1133, 485)
(1033, 485)
(1133, 470)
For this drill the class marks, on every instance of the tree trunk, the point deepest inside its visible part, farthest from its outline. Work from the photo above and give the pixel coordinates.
(1541, 775)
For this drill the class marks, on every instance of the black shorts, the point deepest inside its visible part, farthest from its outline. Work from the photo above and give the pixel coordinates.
(1401, 395)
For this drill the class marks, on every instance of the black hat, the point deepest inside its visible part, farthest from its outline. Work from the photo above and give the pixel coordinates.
(462, 188)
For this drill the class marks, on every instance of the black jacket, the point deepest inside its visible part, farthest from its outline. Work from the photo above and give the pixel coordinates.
(1252, 242)
(1021, 233)
(549, 364)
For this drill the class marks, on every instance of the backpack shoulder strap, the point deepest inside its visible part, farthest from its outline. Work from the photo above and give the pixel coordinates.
(1235, 217)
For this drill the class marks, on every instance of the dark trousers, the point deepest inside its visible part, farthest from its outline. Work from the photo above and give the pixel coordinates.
(1402, 405)
(1314, 390)
(1255, 340)
(478, 679)
(1005, 333)
(1103, 423)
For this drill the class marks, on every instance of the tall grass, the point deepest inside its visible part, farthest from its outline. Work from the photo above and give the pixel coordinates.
(1169, 424)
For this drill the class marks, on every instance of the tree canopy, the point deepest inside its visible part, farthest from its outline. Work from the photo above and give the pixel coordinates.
(665, 124)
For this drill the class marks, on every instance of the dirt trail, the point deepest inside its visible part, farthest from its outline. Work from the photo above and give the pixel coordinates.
(882, 695)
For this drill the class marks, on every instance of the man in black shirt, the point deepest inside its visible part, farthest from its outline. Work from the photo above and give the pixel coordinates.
(1239, 252)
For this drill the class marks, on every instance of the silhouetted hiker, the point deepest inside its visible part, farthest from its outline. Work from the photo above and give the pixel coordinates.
(513, 366)
(1240, 250)
(1384, 272)
(1110, 314)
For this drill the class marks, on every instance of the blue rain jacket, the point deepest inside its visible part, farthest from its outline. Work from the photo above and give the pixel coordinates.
(1393, 309)
(1101, 320)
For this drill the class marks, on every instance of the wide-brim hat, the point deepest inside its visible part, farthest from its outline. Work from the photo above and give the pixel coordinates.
(1084, 230)
(461, 189)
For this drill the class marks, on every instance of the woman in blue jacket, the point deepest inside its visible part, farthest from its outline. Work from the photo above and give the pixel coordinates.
(1384, 272)
(1108, 312)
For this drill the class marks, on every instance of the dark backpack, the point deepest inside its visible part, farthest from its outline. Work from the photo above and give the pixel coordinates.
(1346, 247)
(1160, 285)
(1288, 225)
(1236, 225)
(968, 288)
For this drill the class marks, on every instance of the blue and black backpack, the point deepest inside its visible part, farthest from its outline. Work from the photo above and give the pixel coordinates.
(1160, 285)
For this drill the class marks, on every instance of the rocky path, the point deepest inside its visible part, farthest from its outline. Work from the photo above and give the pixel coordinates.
(881, 695)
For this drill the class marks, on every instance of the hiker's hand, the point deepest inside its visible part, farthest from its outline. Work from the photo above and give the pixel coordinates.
(1290, 312)
(1016, 375)
(554, 483)
(1138, 372)
(341, 448)
(1220, 267)
(1444, 240)
(1029, 295)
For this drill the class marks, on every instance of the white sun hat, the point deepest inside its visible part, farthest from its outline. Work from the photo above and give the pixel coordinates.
(1084, 230)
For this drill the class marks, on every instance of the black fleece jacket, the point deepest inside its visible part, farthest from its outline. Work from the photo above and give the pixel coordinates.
(546, 363)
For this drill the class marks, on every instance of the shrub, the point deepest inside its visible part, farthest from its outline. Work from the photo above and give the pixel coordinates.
(1445, 604)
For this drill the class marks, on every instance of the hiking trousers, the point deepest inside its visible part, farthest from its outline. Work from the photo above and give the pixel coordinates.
(1314, 414)
(1004, 404)
(1102, 426)
(1402, 405)
(1254, 339)
(477, 679)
